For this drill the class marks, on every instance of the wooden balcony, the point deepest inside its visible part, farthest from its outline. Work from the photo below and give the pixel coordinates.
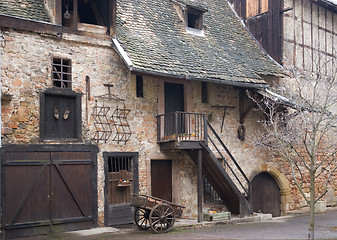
(181, 130)
(189, 131)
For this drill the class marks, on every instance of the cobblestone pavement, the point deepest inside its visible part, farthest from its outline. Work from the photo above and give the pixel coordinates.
(290, 227)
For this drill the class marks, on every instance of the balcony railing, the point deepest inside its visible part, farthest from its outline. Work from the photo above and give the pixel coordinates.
(181, 126)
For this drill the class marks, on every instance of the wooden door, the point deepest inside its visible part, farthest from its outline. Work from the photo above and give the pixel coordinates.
(161, 179)
(27, 194)
(47, 191)
(266, 196)
(121, 182)
(71, 190)
(174, 102)
(174, 97)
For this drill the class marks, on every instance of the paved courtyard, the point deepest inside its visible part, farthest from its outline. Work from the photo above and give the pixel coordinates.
(289, 227)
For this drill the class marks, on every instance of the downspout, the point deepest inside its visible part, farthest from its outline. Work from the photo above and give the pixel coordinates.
(0, 93)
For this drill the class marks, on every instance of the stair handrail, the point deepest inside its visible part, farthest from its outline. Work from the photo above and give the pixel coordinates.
(247, 191)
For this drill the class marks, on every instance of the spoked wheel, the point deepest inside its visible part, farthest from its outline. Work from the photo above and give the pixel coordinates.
(142, 218)
(162, 218)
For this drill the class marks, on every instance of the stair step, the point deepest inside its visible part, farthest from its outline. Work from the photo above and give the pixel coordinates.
(217, 216)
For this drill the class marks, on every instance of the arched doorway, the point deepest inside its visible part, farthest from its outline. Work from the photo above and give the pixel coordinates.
(266, 196)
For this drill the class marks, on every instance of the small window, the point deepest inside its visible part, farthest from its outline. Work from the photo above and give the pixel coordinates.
(204, 92)
(116, 164)
(61, 73)
(194, 18)
(139, 86)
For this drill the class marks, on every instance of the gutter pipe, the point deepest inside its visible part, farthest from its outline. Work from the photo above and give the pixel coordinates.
(0, 92)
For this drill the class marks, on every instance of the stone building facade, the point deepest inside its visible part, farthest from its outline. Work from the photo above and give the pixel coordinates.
(128, 69)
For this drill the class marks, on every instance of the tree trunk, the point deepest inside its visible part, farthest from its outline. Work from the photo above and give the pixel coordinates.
(312, 206)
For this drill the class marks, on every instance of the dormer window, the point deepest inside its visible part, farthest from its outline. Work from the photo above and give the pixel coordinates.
(194, 18)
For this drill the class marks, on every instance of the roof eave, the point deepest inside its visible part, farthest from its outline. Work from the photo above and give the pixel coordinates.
(192, 78)
(121, 52)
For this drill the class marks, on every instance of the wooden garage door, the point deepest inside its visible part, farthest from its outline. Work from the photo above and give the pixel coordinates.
(48, 192)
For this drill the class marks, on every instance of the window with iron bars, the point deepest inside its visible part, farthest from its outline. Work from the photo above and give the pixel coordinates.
(61, 73)
(210, 195)
(115, 164)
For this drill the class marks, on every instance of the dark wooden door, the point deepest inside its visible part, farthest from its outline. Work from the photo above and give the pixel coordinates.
(71, 189)
(174, 97)
(60, 116)
(161, 179)
(121, 182)
(174, 102)
(27, 193)
(48, 192)
(266, 196)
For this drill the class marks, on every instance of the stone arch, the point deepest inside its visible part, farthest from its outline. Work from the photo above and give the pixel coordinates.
(280, 179)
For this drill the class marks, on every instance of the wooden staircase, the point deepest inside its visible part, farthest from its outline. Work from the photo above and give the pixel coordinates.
(190, 132)
(215, 173)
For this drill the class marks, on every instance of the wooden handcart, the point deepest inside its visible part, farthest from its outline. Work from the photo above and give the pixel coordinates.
(155, 213)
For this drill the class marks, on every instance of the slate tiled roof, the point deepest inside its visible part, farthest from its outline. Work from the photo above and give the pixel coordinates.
(155, 39)
(27, 9)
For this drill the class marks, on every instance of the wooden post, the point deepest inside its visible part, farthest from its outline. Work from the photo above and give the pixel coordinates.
(200, 190)
(176, 125)
(75, 14)
(205, 129)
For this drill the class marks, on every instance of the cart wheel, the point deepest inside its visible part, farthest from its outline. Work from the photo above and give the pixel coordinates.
(142, 218)
(162, 218)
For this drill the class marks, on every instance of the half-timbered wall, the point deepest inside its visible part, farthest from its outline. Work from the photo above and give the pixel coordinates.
(310, 36)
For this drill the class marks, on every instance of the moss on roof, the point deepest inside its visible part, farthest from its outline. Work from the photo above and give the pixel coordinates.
(27, 9)
(155, 38)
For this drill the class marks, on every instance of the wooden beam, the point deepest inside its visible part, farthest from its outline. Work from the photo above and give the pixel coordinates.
(28, 25)
(75, 14)
(112, 14)
(58, 12)
(244, 10)
(244, 112)
(200, 188)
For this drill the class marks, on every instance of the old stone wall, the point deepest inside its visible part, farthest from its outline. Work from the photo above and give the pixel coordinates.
(26, 60)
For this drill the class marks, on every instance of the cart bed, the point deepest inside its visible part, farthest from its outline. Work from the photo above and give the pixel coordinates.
(148, 202)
